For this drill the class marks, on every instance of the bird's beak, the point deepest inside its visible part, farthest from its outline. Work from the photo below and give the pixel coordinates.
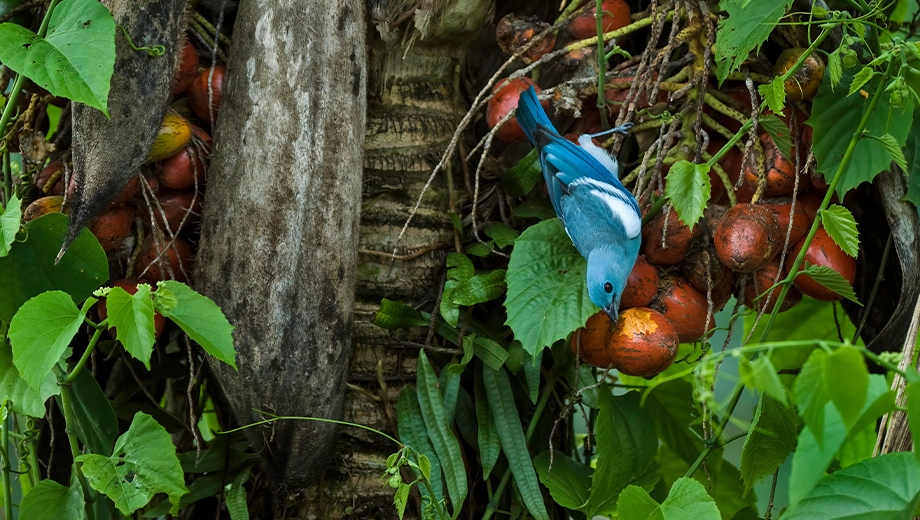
(612, 314)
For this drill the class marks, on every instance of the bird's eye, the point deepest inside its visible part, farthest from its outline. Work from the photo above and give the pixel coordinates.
(608, 287)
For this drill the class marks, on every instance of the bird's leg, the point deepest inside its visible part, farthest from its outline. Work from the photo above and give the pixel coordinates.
(622, 129)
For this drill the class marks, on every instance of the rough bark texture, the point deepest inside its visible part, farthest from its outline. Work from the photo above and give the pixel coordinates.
(108, 152)
(280, 226)
(414, 105)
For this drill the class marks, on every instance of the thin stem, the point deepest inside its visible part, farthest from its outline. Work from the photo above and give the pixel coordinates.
(601, 64)
(711, 446)
(317, 419)
(769, 513)
(7, 484)
(70, 428)
(84, 358)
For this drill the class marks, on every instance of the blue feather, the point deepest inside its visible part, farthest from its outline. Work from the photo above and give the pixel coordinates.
(599, 214)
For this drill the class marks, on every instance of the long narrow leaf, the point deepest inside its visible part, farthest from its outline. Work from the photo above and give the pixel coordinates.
(412, 432)
(489, 444)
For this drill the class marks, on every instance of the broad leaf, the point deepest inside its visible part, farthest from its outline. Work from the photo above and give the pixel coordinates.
(688, 188)
(722, 481)
(830, 279)
(774, 93)
(626, 450)
(200, 318)
(397, 315)
(780, 133)
(502, 234)
(913, 411)
(74, 60)
(676, 418)
(569, 482)
(29, 269)
(894, 148)
(511, 434)
(479, 288)
(841, 378)
(687, 499)
(49, 500)
(811, 458)
(132, 316)
(521, 178)
(412, 433)
(809, 320)
(771, 439)
(488, 441)
(144, 463)
(745, 30)
(547, 297)
(841, 227)
(860, 79)
(835, 110)
(442, 438)
(878, 488)
(9, 224)
(15, 390)
(96, 424)
(761, 374)
(236, 497)
(40, 334)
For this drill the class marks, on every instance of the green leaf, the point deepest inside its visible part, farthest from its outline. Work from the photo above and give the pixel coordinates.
(489, 443)
(490, 352)
(841, 227)
(722, 481)
(132, 316)
(511, 435)
(96, 424)
(521, 178)
(841, 378)
(688, 188)
(9, 224)
(15, 390)
(442, 438)
(401, 499)
(912, 153)
(144, 463)
(676, 418)
(547, 297)
(532, 376)
(479, 288)
(809, 320)
(236, 497)
(882, 487)
(480, 249)
(569, 482)
(745, 30)
(761, 374)
(779, 132)
(894, 149)
(76, 58)
(502, 234)
(538, 208)
(835, 68)
(49, 500)
(40, 334)
(861, 78)
(412, 433)
(200, 318)
(811, 458)
(449, 384)
(830, 279)
(771, 439)
(774, 93)
(833, 111)
(687, 499)
(29, 269)
(626, 451)
(397, 315)
(913, 411)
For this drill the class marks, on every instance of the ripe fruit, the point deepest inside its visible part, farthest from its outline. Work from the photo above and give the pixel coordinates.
(825, 252)
(703, 269)
(130, 286)
(641, 285)
(128, 192)
(763, 280)
(512, 33)
(677, 239)
(781, 209)
(642, 343)
(504, 99)
(112, 227)
(51, 179)
(177, 256)
(43, 206)
(747, 237)
(180, 170)
(175, 132)
(615, 15)
(684, 307)
(187, 71)
(198, 92)
(780, 172)
(175, 206)
(803, 85)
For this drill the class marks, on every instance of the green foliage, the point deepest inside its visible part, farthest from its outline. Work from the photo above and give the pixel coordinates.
(76, 57)
(488, 441)
(397, 315)
(831, 279)
(687, 499)
(841, 227)
(569, 482)
(13, 387)
(40, 334)
(774, 93)
(688, 189)
(840, 377)
(198, 316)
(29, 269)
(9, 224)
(913, 411)
(894, 149)
(748, 25)
(547, 297)
(760, 373)
(49, 500)
(780, 133)
(882, 487)
(143, 464)
(236, 497)
(521, 178)
(502, 234)
(772, 437)
(511, 434)
(132, 317)
(95, 421)
(412, 432)
(833, 110)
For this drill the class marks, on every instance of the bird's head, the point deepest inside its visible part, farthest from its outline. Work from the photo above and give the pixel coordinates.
(608, 269)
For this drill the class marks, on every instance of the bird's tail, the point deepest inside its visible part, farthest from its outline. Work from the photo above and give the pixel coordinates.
(530, 114)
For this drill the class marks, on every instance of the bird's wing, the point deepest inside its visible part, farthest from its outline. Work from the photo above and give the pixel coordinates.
(602, 203)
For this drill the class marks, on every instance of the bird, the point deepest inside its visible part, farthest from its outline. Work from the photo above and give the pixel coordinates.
(599, 214)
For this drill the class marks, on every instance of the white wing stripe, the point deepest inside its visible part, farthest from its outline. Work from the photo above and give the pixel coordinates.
(622, 211)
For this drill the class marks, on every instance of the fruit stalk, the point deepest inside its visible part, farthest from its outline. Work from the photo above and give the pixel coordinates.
(601, 64)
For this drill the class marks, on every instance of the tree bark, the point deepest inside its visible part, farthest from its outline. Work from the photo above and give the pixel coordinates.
(280, 227)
